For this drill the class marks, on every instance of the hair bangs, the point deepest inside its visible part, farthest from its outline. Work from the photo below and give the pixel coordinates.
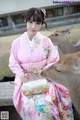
(36, 18)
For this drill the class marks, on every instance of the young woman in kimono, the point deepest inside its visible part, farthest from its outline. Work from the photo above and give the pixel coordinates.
(30, 51)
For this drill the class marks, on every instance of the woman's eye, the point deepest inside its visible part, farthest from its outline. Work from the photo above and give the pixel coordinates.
(38, 23)
(31, 21)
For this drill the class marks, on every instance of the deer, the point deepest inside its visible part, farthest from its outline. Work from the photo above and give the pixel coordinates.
(59, 38)
(67, 72)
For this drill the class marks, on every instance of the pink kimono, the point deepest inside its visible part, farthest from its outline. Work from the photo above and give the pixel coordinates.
(25, 55)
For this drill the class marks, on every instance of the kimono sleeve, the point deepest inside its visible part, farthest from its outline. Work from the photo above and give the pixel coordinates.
(53, 54)
(13, 61)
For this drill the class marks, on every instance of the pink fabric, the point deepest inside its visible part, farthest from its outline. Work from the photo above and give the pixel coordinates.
(25, 55)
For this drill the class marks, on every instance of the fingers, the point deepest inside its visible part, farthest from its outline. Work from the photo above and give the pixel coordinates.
(36, 70)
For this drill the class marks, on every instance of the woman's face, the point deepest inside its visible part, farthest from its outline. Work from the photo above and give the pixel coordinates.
(33, 27)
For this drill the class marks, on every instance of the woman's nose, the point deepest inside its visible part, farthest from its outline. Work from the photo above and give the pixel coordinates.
(33, 25)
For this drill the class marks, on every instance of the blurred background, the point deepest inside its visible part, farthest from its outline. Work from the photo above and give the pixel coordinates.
(12, 14)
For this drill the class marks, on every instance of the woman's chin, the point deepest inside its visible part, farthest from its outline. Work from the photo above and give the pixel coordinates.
(33, 32)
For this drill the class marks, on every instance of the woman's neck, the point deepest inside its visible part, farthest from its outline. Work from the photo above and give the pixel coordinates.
(30, 36)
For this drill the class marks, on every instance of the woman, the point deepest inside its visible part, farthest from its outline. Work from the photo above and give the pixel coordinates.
(30, 53)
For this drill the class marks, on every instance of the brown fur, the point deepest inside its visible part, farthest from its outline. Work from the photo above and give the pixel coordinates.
(67, 73)
(60, 39)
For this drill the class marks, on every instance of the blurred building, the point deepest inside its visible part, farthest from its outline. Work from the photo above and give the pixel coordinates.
(12, 11)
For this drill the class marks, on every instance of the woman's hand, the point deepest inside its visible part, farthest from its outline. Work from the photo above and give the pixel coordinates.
(36, 70)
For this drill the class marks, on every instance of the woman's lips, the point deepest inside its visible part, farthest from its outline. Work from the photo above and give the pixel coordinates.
(33, 30)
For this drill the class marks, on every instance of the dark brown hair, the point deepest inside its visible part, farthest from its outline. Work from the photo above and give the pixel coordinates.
(37, 15)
